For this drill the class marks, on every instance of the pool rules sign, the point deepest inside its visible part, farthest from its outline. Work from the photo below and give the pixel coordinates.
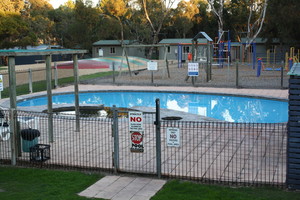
(173, 137)
(136, 129)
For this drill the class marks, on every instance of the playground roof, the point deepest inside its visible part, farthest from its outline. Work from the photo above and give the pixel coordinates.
(295, 70)
(181, 41)
(114, 42)
(22, 52)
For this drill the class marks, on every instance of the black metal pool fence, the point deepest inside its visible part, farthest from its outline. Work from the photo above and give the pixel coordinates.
(142, 143)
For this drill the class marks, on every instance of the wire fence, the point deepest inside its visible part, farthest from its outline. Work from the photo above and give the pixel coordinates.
(213, 152)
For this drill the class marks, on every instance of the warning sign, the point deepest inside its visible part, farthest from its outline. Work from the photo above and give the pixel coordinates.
(152, 66)
(173, 137)
(136, 141)
(193, 69)
(136, 122)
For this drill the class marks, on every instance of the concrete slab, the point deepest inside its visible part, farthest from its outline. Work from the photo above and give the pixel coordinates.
(124, 188)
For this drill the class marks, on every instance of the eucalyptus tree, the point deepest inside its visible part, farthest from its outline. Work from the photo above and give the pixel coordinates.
(116, 9)
(184, 17)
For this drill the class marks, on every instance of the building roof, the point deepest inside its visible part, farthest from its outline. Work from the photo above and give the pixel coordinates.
(23, 52)
(181, 41)
(113, 42)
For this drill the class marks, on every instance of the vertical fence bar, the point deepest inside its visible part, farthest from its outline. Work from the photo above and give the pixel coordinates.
(115, 130)
(158, 139)
(30, 80)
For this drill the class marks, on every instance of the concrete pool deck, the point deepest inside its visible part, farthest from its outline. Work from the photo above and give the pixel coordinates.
(266, 93)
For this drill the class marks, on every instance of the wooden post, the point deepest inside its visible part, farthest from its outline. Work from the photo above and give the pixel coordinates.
(127, 61)
(30, 80)
(55, 76)
(114, 69)
(49, 96)
(13, 106)
(76, 81)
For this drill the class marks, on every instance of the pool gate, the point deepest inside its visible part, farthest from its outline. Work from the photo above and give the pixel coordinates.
(132, 141)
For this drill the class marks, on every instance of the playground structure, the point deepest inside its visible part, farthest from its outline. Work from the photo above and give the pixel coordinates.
(222, 48)
(274, 60)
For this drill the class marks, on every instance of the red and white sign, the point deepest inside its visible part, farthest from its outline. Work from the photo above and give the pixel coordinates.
(136, 121)
(136, 141)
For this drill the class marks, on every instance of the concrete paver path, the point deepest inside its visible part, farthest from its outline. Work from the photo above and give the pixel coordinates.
(124, 188)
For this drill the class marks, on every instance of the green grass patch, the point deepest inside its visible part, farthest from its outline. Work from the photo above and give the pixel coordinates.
(183, 190)
(42, 85)
(25, 183)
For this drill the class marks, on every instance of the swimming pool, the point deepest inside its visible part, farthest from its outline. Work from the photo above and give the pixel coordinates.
(222, 107)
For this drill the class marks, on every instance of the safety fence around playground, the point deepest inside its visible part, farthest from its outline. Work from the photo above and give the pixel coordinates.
(236, 75)
(212, 152)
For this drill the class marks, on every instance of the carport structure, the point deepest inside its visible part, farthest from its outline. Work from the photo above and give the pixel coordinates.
(12, 54)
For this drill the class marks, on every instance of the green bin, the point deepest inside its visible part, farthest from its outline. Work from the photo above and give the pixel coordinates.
(29, 138)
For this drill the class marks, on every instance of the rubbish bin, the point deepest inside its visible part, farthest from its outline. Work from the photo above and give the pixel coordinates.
(29, 138)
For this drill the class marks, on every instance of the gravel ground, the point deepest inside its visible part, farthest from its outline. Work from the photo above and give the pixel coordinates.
(221, 77)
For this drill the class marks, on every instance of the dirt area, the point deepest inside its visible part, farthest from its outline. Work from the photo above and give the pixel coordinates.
(221, 77)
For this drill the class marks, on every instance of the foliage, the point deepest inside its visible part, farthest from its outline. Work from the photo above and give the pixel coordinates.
(77, 24)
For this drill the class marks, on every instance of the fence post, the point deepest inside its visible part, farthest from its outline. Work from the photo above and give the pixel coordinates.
(237, 74)
(158, 139)
(13, 126)
(114, 69)
(30, 80)
(115, 130)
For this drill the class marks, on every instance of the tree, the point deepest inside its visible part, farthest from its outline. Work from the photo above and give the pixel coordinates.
(156, 12)
(184, 15)
(256, 18)
(14, 32)
(217, 7)
(116, 9)
(11, 6)
(284, 24)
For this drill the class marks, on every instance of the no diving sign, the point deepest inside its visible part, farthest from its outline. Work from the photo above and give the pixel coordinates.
(136, 121)
(173, 137)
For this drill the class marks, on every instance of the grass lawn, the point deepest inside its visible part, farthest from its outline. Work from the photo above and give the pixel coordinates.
(42, 85)
(183, 190)
(40, 184)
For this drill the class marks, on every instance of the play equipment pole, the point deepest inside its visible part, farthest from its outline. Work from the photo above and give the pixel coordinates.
(237, 73)
(258, 67)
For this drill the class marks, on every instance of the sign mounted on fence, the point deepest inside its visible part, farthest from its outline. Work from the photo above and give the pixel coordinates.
(1, 83)
(136, 141)
(173, 137)
(193, 69)
(152, 66)
(136, 121)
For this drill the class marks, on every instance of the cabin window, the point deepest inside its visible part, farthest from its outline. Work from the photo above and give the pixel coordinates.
(186, 49)
(112, 50)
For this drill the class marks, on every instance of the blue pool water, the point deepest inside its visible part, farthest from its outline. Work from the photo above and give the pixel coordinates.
(228, 108)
